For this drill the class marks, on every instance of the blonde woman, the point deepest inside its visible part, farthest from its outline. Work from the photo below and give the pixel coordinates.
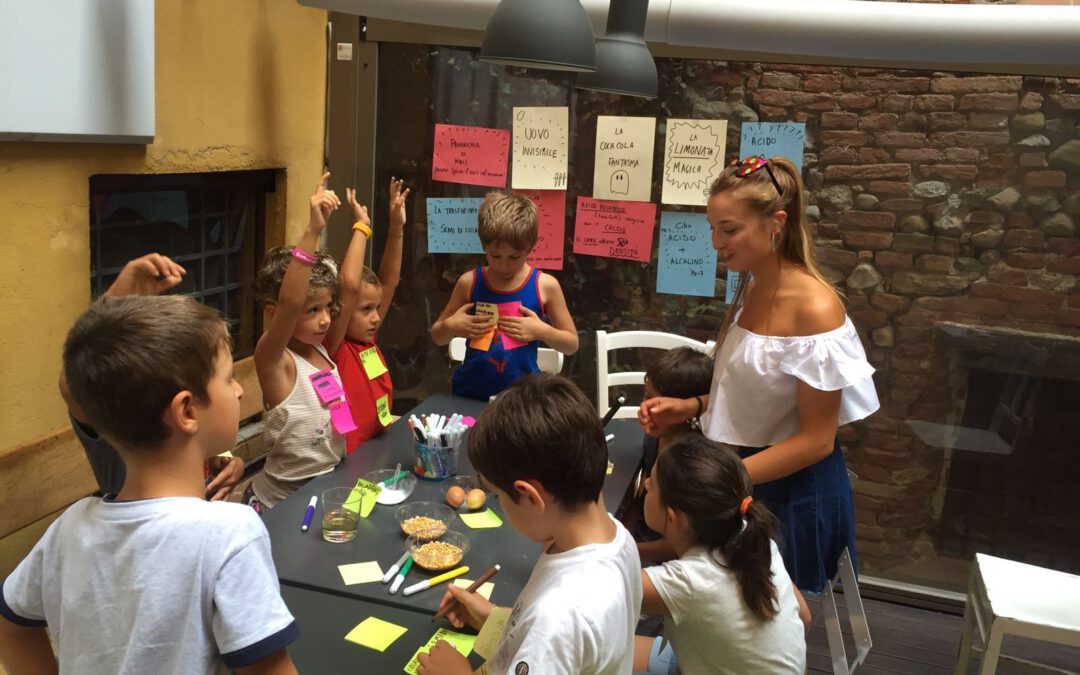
(790, 368)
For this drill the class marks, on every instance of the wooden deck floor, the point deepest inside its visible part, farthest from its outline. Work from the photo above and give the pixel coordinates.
(916, 641)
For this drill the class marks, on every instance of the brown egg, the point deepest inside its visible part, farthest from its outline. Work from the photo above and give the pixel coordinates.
(455, 496)
(476, 498)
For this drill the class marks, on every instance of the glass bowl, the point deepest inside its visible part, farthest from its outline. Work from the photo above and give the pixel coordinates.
(393, 495)
(436, 519)
(442, 553)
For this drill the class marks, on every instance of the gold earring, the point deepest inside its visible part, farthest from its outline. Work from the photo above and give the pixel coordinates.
(773, 240)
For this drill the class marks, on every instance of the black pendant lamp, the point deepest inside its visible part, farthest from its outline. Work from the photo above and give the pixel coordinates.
(623, 62)
(547, 34)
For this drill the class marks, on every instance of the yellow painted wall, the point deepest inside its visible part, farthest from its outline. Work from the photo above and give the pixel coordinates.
(239, 85)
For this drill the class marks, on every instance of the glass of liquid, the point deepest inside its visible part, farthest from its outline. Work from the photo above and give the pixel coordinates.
(340, 515)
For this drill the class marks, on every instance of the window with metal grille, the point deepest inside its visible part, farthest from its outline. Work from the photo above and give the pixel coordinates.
(210, 223)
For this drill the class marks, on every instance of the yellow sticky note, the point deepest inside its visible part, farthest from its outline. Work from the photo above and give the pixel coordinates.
(484, 519)
(491, 632)
(362, 499)
(383, 407)
(610, 467)
(373, 365)
(485, 588)
(375, 633)
(360, 573)
(461, 642)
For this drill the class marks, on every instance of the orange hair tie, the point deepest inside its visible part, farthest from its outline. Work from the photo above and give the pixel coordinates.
(745, 505)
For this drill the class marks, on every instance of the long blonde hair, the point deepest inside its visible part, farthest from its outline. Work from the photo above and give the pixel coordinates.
(761, 196)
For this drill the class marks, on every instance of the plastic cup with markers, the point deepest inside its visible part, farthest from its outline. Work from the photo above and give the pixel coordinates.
(437, 440)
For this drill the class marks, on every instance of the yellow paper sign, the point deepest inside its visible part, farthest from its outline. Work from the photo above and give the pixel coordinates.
(373, 365)
(540, 138)
(491, 632)
(360, 573)
(484, 591)
(462, 643)
(484, 519)
(383, 407)
(362, 499)
(693, 158)
(375, 633)
(624, 158)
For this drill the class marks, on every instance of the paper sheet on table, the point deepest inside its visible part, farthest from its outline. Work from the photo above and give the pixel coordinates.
(484, 591)
(360, 573)
(375, 633)
(482, 520)
(461, 642)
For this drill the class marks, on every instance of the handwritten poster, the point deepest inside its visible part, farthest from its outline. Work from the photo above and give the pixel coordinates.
(771, 139)
(451, 225)
(732, 284)
(686, 260)
(614, 229)
(470, 155)
(541, 136)
(551, 204)
(624, 158)
(693, 158)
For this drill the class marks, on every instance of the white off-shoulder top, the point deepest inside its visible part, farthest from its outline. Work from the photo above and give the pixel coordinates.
(752, 401)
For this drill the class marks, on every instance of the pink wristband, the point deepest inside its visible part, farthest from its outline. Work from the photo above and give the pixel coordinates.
(303, 257)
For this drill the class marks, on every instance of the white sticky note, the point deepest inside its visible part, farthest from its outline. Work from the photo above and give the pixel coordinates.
(360, 573)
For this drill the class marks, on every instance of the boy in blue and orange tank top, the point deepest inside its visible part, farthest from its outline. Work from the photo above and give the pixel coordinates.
(506, 308)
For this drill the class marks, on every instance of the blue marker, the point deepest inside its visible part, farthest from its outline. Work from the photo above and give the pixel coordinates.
(308, 515)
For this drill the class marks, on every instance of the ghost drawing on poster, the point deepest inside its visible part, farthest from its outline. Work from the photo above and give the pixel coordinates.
(624, 158)
(540, 140)
(693, 158)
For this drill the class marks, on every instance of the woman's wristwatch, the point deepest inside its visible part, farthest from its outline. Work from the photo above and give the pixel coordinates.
(695, 421)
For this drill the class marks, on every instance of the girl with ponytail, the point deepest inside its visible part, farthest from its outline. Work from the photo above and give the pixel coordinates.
(789, 368)
(728, 603)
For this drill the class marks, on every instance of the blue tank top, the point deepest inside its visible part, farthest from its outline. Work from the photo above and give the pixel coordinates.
(485, 373)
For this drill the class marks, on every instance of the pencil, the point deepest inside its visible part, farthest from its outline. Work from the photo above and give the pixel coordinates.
(484, 578)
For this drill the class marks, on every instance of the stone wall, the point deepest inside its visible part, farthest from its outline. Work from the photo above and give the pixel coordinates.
(934, 197)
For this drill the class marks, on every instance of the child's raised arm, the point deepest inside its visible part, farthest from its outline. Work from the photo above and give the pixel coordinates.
(351, 270)
(390, 265)
(270, 350)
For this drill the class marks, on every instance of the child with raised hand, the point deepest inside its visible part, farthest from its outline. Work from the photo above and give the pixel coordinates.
(540, 448)
(155, 579)
(727, 601)
(298, 287)
(365, 299)
(508, 296)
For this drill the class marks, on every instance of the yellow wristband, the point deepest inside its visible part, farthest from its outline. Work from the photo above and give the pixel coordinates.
(359, 225)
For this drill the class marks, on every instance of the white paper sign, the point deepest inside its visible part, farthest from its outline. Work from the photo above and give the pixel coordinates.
(693, 158)
(624, 158)
(541, 136)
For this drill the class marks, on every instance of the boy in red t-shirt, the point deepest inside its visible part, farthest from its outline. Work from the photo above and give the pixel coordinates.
(365, 299)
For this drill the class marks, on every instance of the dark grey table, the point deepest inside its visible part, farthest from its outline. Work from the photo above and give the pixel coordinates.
(326, 619)
(304, 560)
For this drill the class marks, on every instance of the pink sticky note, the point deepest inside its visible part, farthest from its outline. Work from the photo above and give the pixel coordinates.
(510, 309)
(614, 229)
(341, 418)
(470, 155)
(551, 205)
(468, 421)
(326, 386)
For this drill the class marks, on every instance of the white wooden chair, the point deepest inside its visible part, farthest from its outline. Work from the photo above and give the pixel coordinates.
(1013, 598)
(549, 360)
(631, 339)
(860, 629)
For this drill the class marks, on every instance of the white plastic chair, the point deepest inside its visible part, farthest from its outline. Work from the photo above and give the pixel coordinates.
(549, 360)
(632, 339)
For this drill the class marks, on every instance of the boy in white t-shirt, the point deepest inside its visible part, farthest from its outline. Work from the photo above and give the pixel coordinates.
(154, 579)
(539, 446)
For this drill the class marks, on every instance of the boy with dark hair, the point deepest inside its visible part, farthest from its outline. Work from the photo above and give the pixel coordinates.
(506, 308)
(155, 579)
(539, 446)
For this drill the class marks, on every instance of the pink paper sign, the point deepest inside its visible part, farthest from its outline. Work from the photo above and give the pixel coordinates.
(470, 155)
(551, 205)
(510, 309)
(614, 229)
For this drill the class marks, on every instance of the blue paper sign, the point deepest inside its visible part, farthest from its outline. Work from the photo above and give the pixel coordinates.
(687, 260)
(451, 225)
(732, 284)
(774, 138)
